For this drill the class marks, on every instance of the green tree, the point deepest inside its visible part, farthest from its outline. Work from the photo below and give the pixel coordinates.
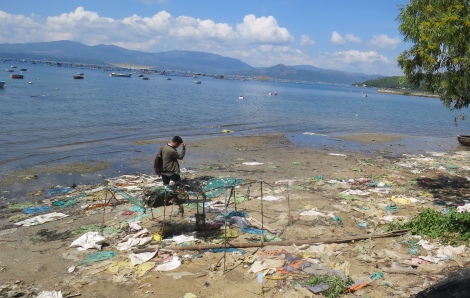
(440, 55)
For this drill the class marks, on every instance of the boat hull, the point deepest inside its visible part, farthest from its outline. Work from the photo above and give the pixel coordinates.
(464, 140)
(120, 75)
(1, 84)
(16, 76)
(78, 77)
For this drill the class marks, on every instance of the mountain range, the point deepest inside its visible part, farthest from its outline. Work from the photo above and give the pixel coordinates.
(70, 51)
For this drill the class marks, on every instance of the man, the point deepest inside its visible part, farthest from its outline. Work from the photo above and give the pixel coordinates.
(171, 167)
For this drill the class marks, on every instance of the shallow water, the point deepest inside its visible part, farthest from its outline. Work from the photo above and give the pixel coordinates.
(98, 117)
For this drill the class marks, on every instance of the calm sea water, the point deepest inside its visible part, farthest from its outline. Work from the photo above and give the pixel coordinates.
(96, 118)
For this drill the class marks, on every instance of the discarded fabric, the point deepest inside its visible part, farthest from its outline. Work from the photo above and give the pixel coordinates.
(30, 210)
(183, 238)
(138, 259)
(40, 219)
(89, 240)
(141, 238)
(168, 266)
(50, 294)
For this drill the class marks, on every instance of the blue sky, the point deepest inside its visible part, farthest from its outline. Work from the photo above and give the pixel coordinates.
(357, 36)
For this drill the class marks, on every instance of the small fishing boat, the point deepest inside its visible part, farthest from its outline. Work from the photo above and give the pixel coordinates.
(122, 75)
(16, 76)
(240, 97)
(464, 140)
(78, 77)
(23, 69)
(141, 76)
(80, 74)
(13, 66)
(9, 70)
(197, 82)
(145, 78)
(168, 79)
(1, 84)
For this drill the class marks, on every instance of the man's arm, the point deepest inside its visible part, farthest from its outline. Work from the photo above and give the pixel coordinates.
(180, 155)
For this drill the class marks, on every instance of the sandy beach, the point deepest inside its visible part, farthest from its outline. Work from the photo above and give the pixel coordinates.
(39, 258)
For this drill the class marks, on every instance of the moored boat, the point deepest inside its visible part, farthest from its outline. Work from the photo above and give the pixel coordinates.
(145, 78)
(464, 140)
(78, 77)
(9, 70)
(80, 74)
(168, 79)
(122, 75)
(197, 82)
(240, 97)
(13, 66)
(16, 76)
(23, 69)
(141, 76)
(1, 84)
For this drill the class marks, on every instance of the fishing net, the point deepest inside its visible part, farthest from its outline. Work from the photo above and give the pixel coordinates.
(215, 187)
(131, 199)
(98, 256)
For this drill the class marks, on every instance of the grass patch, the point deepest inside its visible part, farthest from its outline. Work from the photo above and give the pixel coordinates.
(451, 227)
(336, 284)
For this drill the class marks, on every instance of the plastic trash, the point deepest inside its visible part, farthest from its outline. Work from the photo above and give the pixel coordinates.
(98, 256)
(170, 265)
(58, 190)
(89, 240)
(40, 219)
(30, 210)
(229, 249)
(138, 259)
(336, 218)
(376, 275)
(50, 294)
(68, 202)
(253, 163)
(362, 225)
(254, 231)
(189, 295)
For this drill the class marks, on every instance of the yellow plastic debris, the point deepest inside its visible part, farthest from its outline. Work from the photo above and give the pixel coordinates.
(230, 233)
(157, 237)
(189, 295)
(143, 268)
(400, 200)
(227, 131)
(116, 267)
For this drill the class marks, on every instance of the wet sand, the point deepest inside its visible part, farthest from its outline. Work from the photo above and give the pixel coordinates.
(29, 264)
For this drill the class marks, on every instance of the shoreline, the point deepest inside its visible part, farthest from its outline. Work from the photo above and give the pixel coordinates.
(408, 93)
(20, 182)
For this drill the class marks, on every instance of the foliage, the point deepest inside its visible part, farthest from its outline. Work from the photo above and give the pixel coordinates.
(440, 54)
(393, 82)
(336, 284)
(450, 227)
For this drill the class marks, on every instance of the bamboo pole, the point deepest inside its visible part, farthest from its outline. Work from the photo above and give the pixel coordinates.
(282, 243)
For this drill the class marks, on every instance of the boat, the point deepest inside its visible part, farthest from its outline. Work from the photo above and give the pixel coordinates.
(168, 79)
(23, 69)
(122, 75)
(141, 76)
(464, 140)
(240, 97)
(80, 74)
(16, 76)
(145, 78)
(13, 66)
(9, 70)
(197, 82)
(1, 84)
(78, 77)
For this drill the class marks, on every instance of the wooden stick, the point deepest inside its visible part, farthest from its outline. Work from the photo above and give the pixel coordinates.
(284, 243)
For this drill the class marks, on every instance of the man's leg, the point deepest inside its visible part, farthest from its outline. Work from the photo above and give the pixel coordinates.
(166, 179)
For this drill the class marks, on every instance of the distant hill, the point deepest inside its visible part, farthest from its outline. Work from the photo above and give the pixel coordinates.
(70, 51)
(313, 74)
(392, 82)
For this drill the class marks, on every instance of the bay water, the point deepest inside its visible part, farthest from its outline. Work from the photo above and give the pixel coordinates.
(58, 119)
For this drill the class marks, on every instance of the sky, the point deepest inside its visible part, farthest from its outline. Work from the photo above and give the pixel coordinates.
(356, 36)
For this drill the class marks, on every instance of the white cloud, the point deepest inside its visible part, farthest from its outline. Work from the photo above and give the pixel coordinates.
(337, 39)
(266, 47)
(263, 30)
(352, 38)
(305, 41)
(384, 42)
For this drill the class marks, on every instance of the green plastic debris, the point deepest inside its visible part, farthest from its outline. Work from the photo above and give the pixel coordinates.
(240, 200)
(337, 218)
(376, 275)
(273, 166)
(131, 199)
(19, 205)
(296, 163)
(98, 256)
(360, 249)
(193, 205)
(357, 170)
(209, 168)
(348, 196)
(269, 237)
(297, 187)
